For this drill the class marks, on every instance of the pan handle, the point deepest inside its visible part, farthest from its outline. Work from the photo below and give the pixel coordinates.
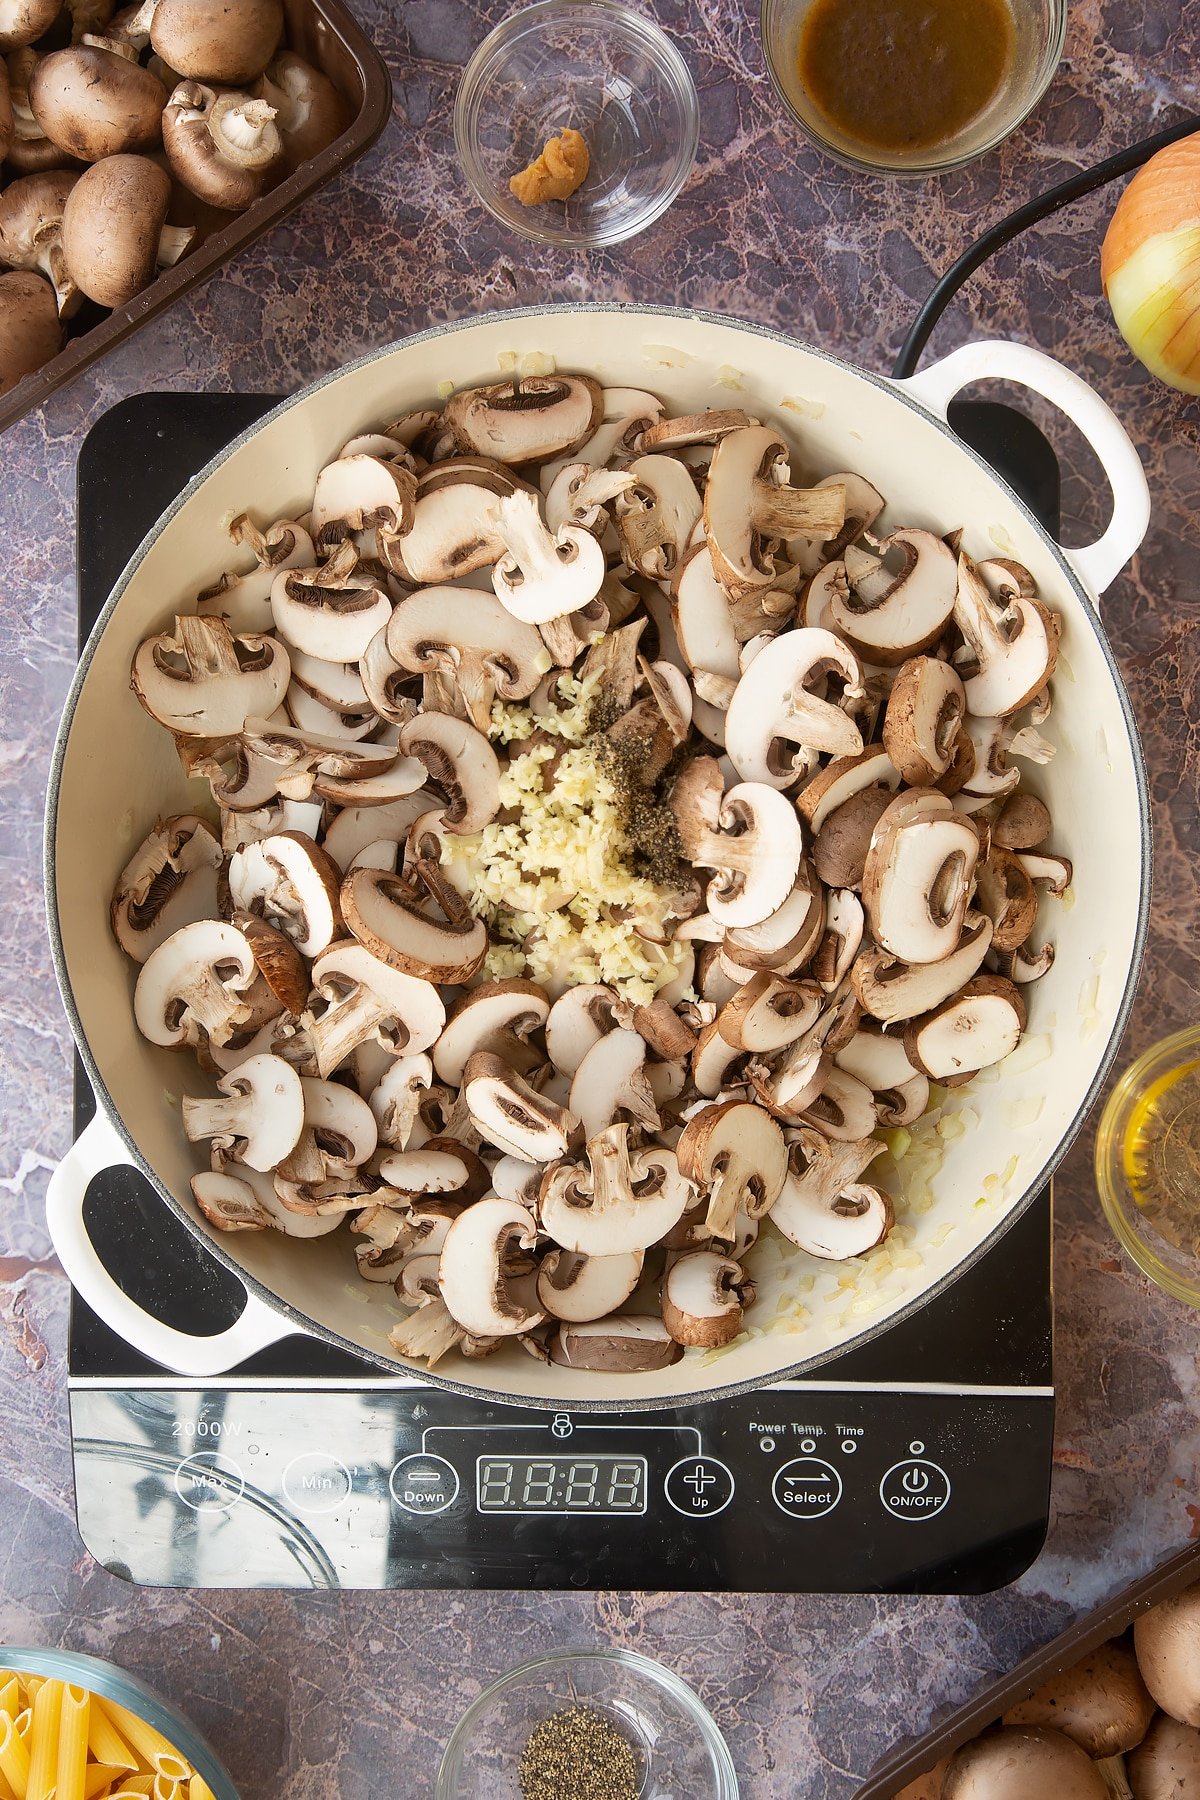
(998, 359)
(99, 1148)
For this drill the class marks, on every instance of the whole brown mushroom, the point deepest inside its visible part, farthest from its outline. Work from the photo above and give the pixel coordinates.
(31, 210)
(23, 21)
(94, 102)
(1167, 1641)
(30, 152)
(227, 41)
(309, 111)
(221, 147)
(113, 230)
(1023, 1762)
(1101, 1702)
(30, 331)
(1166, 1765)
(6, 112)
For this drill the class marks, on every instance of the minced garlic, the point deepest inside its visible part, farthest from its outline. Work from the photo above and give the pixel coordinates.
(550, 874)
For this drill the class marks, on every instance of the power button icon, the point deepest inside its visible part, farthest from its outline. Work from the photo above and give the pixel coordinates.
(914, 1489)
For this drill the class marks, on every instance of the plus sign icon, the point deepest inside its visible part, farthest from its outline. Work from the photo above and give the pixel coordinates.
(699, 1487)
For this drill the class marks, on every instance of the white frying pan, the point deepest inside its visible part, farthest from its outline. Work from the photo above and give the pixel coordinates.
(115, 771)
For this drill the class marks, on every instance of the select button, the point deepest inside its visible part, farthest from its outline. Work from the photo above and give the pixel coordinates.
(424, 1484)
(807, 1488)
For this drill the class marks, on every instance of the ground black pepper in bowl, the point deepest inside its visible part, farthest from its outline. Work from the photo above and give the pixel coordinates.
(579, 1754)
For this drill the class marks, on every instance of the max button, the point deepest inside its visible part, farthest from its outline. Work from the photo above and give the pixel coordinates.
(914, 1489)
(424, 1484)
(209, 1483)
(699, 1487)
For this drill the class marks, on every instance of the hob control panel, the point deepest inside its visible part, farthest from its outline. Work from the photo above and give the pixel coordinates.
(792, 1489)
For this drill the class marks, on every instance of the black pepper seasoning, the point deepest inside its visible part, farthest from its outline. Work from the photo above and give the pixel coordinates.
(579, 1754)
(651, 833)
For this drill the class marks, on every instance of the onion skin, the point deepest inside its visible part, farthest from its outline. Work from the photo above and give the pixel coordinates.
(1150, 265)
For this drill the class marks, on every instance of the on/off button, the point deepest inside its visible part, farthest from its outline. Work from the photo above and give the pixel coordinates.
(914, 1489)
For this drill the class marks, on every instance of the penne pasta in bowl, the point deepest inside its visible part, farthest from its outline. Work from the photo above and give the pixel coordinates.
(73, 1727)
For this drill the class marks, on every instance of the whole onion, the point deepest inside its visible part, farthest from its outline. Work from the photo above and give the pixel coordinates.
(1150, 264)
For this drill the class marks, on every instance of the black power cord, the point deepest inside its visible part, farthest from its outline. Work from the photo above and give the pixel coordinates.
(1032, 213)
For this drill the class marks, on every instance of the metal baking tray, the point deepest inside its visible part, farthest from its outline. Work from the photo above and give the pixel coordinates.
(907, 1761)
(325, 34)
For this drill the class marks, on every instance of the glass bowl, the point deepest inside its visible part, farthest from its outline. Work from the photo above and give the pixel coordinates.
(1147, 1087)
(113, 1683)
(605, 71)
(682, 1753)
(1040, 29)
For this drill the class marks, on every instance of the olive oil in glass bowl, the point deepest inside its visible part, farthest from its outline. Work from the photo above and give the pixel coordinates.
(911, 87)
(1148, 1163)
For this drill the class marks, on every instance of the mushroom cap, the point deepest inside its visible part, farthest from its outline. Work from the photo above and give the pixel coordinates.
(294, 884)
(1101, 1702)
(1167, 1641)
(1021, 1761)
(1166, 1764)
(891, 989)
(171, 880)
(496, 1017)
(228, 41)
(924, 711)
(202, 133)
(261, 1119)
(384, 913)
(888, 617)
(24, 21)
(824, 1208)
(461, 762)
(619, 1203)
(180, 996)
(978, 1026)
(30, 330)
(6, 111)
(111, 226)
(93, 103)
(737, 1151)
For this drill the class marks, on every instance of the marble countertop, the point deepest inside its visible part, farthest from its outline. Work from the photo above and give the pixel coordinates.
(810, 1691)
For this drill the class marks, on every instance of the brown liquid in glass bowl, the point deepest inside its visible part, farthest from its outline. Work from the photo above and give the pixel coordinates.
(904, 75)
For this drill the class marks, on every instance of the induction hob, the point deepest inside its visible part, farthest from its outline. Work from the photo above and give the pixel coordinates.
(916, 1463)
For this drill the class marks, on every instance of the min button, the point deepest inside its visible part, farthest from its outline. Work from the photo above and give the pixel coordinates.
(316, 1483)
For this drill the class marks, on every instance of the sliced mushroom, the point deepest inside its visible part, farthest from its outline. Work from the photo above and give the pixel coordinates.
(201, 681)
(786, 939)
(918, 874)
(1015, 647)
(781, 696)
(737, 1151)
(704, 1298)
(841, 779)
(512, 1116)
(657, 515)
(980, 1026)
(365, 1000)
(750, 836)
(889, 617)
(475, 1284)
(579, 495)
(580, 1288)
(842, 845)
(1051, 872)
(461, 763)
(525, 421)
(453, 530)
(331, 612)
(611, 1080)
(578, 1019)
(1006, 894)
(396, 1098)
(293, 884)
(192, 987)
(542, 576)
(841, 940)
(622, 1346)
(768, 1014)
(820, 1172)
(243, 598)
(924, 712)
(620, 1201)
(171, 880)
(473, 640)
(260, 1117)
(440, 1166)
(498, 1017)
(359, 492)
(892, 990)
(339, 1135)
(749, 506)
(386, 914)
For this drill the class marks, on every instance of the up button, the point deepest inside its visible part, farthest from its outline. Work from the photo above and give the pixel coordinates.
(914, 1489)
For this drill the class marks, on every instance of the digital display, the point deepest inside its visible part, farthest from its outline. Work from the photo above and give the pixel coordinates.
(561, 1484)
